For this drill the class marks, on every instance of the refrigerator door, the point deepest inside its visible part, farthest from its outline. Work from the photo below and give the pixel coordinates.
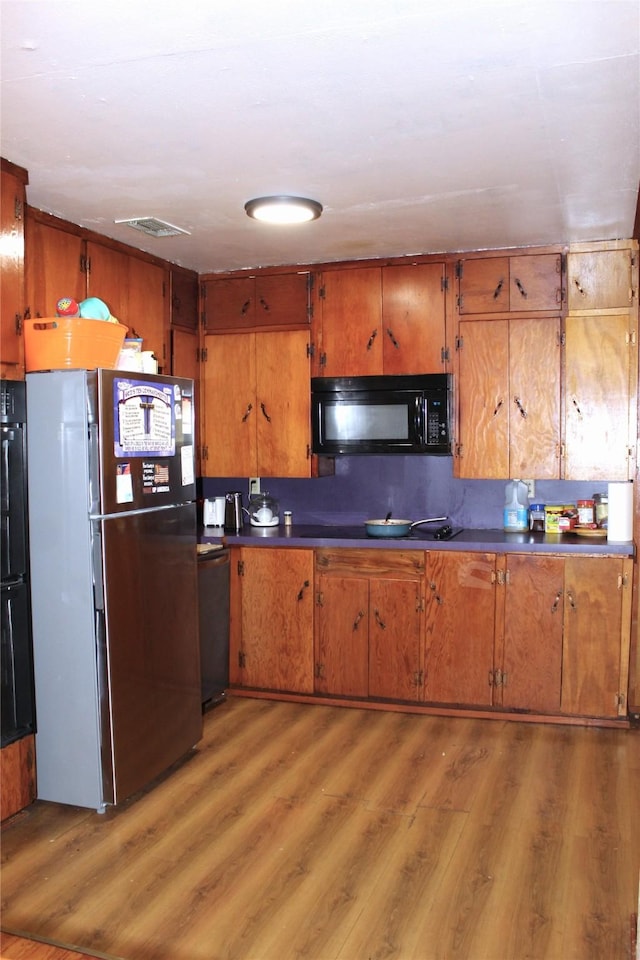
(13, 525)
(143, 429)
(148, 649)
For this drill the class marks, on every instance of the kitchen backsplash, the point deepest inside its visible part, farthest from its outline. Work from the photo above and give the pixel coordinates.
(411, 488)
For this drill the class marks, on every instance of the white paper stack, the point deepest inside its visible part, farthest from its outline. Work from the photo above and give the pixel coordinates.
(620, 521)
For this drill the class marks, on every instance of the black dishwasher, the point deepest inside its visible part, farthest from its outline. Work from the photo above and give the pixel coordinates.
(213, 603)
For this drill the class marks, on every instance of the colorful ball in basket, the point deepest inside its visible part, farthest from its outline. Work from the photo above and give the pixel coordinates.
(67, 307)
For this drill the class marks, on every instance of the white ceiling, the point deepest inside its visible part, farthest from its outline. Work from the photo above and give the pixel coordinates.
(420, 126)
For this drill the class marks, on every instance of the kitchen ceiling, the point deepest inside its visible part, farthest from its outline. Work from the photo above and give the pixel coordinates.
(421, 127)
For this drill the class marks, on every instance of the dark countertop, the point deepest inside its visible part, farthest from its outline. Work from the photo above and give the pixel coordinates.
(492, 541)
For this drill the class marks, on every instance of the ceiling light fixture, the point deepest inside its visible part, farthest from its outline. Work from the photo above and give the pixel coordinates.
(283, 209)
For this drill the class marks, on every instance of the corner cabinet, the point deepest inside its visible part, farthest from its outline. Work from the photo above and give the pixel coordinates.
(271, 629)
(256, 405)
(381, 320)
(544, 634)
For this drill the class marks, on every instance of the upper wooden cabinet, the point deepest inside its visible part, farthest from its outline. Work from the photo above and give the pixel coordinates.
(600, 420)
(13, 182)
(509, 398)
(56, 265)
(381, 319)
(508, 284)
(184, 298)
(256, 405)
(600, 278)
(269, 300)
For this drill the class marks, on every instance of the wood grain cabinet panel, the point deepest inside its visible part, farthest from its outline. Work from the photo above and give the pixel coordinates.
(369, 623)
(460, 627)
(600, 418)
(256, 405)
(382, 320)
(600, 279)
(55, 267)
(269, 300)
(509, 398)
(272, 619)
(12, 276)
(522, 284)
(530, 667)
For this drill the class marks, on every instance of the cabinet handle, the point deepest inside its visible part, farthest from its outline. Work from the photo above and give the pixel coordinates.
(498, 289)
(357, 620)
(264, 304)
(556, 601)
(393, 339)
(374, 334)
(302, 589)
(245, 306)
(572, 600)
(577, 408)
(580, 290)
(437, 598)
(379, 620)
(264, 412)
(522, 290)
(518, 403)
(247, 412)
(497, 409)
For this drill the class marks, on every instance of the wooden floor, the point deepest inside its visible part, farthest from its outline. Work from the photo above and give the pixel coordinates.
(301, 831)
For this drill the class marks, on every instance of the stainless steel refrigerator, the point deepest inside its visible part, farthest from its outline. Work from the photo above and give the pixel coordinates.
(112, 528)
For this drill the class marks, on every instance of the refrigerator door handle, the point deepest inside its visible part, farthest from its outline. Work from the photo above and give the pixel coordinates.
(96, 552)
(94, 468)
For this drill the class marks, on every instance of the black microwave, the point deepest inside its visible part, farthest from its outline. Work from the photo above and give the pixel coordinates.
(384, 414)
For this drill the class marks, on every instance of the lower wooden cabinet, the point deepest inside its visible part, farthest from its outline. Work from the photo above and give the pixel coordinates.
(369, 622)
(539, 634)
(271, 629)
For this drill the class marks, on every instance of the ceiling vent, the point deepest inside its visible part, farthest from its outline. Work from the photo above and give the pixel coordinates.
(153, 227)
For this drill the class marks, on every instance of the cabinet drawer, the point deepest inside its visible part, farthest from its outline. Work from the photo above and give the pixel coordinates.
(359, 563)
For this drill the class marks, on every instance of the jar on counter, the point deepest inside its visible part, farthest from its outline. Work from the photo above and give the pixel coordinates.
(586, 512)
(601, 508)
(536, 517)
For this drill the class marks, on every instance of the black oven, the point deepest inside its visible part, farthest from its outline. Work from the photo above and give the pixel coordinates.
(385, 414)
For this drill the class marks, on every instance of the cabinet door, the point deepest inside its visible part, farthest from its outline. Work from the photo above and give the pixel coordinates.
(531, 670)
(229, 303)
(351, 322)
(535, 282)
(593, 618)
(108, 279)
(534, 398)
(185, 363)
(277, 618)
(184, 298)
(460, 627)
(342, 636)
(12, 286)
(148, 307)
(395, 632)
(413, 318)
(283, 406)
(282, 300)
(599, 280)
(483, 285)
(599, 423)
(54, 267)
(483, 391)
(228, 380)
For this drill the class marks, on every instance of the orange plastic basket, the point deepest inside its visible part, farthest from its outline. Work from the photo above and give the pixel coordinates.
(62, 343)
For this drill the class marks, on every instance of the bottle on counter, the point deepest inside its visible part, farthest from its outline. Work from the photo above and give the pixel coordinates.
(536, 517)
(516, 507)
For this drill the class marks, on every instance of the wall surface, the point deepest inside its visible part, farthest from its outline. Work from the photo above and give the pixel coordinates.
(412, 488)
